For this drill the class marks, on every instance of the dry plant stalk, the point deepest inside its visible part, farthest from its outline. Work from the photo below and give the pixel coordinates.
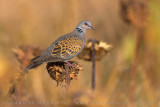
(23, 54)
(67, 77)
(93, 65)
(59, 71)
(135, 12)
(94, 51)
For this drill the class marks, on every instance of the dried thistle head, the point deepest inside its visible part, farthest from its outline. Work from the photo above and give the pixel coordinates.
(101, 49)
(135, 12)
(25, 53)
(57, 71)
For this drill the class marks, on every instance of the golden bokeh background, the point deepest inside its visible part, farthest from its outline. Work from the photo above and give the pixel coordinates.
(131, 72)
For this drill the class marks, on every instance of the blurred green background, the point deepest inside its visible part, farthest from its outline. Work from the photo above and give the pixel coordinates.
(131, 72)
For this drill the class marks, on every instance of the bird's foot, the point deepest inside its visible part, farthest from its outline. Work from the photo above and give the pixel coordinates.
(69, 64)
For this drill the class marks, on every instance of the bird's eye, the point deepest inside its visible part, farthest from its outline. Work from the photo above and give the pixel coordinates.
(86, 24)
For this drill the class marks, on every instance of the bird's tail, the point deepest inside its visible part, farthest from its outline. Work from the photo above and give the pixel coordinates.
(35, 63)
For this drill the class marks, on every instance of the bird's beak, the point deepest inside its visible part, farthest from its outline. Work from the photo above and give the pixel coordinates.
(92, 28)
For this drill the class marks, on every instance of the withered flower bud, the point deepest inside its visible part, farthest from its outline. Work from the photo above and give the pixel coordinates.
(101, 49)
(57, 71)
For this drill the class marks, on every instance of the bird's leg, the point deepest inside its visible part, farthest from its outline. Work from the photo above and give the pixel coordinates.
(69, 64)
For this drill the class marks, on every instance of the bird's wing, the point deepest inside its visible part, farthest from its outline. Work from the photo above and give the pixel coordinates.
(68, 47)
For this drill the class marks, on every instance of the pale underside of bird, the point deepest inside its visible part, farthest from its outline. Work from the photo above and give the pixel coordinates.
(65, 47)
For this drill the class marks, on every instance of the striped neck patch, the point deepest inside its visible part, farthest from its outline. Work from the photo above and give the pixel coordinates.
(79, 30)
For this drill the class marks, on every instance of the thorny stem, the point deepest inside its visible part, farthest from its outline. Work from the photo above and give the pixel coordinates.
(93, 65)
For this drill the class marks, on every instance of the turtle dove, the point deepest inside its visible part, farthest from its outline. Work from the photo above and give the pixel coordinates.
(65, 47)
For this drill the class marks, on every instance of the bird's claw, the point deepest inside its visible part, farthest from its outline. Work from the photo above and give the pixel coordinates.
(69, 64)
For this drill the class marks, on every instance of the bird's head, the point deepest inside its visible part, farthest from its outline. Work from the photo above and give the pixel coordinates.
(83, 26)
